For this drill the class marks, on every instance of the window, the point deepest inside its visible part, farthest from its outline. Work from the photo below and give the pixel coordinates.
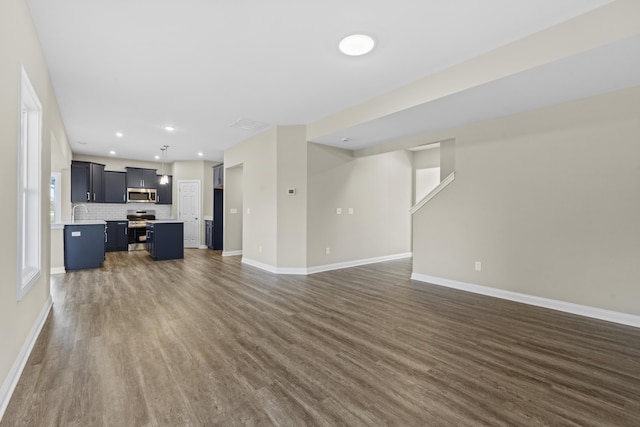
(54, 198)
(29, 191)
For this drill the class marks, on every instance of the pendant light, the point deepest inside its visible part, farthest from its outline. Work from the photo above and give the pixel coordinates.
(165, 178)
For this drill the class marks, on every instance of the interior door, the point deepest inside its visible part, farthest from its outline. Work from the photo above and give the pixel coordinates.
(189, 211)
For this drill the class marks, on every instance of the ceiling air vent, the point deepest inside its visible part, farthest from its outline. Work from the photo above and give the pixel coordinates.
(248, 124)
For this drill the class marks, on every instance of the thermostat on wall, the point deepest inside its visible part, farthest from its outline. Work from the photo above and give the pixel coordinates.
(291, 191)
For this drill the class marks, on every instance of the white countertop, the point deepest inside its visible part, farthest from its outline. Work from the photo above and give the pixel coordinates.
(86, 222)
(165, 221)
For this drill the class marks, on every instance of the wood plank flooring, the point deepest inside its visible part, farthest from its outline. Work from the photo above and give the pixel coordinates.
(208, 341)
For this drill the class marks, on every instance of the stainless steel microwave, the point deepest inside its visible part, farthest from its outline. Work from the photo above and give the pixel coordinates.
(141, 195)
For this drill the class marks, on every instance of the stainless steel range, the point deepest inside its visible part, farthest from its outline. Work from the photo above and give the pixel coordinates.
(138, 228)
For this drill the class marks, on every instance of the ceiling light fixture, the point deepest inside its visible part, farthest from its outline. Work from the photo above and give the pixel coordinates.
(119, 134)
(165, 178)
(356, 44)
(113, 153)
(169, 128)
(200, 153)
(157, 157)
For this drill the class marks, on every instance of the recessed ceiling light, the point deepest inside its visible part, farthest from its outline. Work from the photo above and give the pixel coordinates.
(169, 128)
(200, 153)
(113, 153)
(119, 134)
(356, 44)
(157, 157)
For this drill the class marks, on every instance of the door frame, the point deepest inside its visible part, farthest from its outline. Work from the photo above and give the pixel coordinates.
(199, 218)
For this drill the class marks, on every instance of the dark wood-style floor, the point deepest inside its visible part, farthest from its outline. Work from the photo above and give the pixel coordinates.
(208, 341)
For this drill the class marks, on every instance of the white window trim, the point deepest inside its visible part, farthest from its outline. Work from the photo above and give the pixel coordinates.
(57, 208)
(29, 104)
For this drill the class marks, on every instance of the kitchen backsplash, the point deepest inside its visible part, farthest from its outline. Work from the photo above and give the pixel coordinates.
(118, 211)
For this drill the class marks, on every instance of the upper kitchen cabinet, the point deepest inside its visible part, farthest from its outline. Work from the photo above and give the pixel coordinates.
(218, 176)
(87, 182)
(164, 195)
(115, 187)
(141, 178)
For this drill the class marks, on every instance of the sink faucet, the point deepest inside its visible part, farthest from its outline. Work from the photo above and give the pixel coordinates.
(73, 212)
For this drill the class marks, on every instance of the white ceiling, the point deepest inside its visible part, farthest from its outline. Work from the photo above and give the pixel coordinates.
(604, 69)
(134, 66)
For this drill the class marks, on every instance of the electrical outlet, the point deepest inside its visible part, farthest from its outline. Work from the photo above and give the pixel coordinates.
(233, 211)
(338, 211)
(260, 248)
(248, 211)
(478, 266)
(327, 251)
(350, 211)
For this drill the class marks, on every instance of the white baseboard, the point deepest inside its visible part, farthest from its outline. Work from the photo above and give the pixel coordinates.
(203, 247)
(10, 382)
(321, 268)
(567, 307)
(260, 265)
(58, 270)
(232, 253)
(356, 263)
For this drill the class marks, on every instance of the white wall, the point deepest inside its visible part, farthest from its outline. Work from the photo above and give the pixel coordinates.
(207, 189)
(291, 232)
(379, 190)
(19, 45)
(292, 210)
(258, 157)
(232, 231)
(119, 165)
(425, 181)
(60, 162)
(548, 201)
(424, 163)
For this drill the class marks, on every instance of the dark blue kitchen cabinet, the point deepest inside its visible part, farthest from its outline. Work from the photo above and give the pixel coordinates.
(115, 187)
(218, 201)
(117, 236)
(141, 178)
(165, 240)
(165, 191)
(87, 182)
(84, 246)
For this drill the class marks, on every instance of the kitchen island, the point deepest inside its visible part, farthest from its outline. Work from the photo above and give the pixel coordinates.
(165, 239)
(84, 244)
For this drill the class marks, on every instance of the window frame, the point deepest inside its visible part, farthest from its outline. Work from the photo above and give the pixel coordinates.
(57, 198)
(29, 192)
